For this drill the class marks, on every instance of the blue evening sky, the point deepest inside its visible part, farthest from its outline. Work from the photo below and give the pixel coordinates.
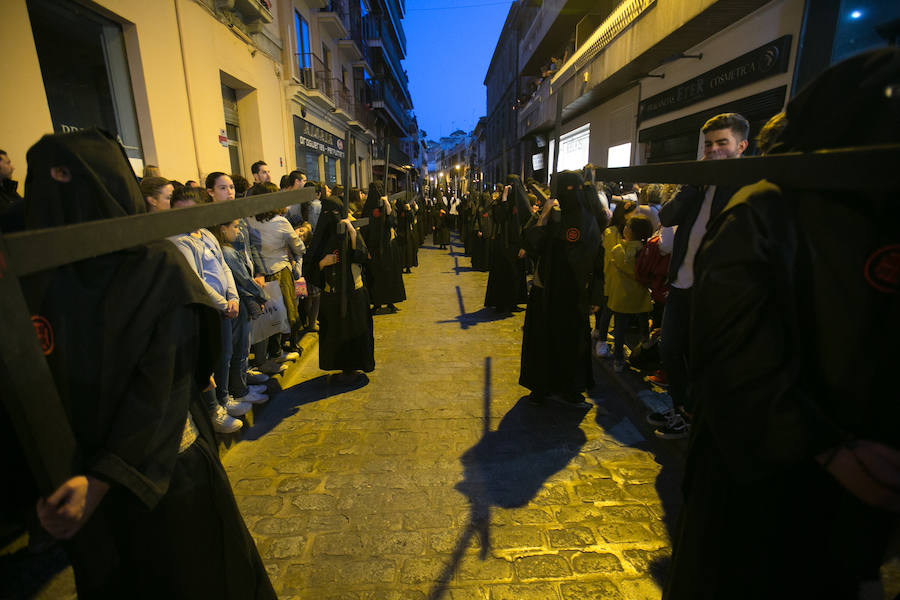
(449, 44)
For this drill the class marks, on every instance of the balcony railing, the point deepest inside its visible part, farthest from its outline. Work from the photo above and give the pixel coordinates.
(376, 33)
(380, 92)
(334, 18)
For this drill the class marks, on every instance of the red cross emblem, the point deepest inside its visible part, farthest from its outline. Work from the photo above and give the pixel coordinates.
(44, 333)
(883, 269)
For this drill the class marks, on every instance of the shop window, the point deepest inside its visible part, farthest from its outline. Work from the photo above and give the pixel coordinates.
(85, 71)
(330, 171)
(863, 25)
(619, 156)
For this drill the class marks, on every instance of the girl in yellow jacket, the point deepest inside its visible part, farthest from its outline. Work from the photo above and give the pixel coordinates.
(612, 237)
(627, 297)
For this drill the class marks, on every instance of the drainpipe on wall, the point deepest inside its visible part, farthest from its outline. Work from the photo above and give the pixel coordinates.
(187, 87)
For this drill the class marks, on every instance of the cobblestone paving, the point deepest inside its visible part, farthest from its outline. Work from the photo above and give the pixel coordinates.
(437, 479)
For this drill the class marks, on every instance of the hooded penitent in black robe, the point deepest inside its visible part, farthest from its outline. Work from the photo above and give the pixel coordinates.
(136, 340)
(423, 219)
(465, 222)
(506, 283)
(407, 236)
(385, 273)
(346, 339)
(441, 219)
(482, 225)
(556, 356)
(775, 274)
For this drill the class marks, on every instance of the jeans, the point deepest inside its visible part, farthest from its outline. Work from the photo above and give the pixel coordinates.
(622, 323)
(221, 373)
(602, 318)
(240, 344)
(674, 343)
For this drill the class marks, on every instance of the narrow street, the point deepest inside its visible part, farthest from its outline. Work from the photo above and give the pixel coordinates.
(437, 479)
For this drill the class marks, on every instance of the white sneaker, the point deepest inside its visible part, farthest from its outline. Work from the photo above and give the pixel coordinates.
(253, 398)
(603, 350)
(259, 389)
(235, 408)
(224, 423)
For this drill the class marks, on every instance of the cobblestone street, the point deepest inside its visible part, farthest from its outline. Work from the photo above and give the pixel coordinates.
(437, 479)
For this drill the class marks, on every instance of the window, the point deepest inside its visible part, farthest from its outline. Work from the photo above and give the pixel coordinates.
(304, 56)
(232, 128)
(85, 71)
(619, 156)
(573, 153)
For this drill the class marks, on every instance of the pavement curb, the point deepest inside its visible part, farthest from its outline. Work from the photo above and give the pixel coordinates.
(275, 385)
(629, 385)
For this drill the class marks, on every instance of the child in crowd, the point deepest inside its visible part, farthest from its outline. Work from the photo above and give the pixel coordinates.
(204, 255)
(314, 294)
(612, 237)
(627, 297)
(252, 300)
(279, 249)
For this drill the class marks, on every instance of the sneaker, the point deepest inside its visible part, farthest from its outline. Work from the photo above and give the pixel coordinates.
(235, 408)
(659, 419)
(253, 398)
(271, 367)
(675, 428)
(659, 378)
(254, 377)
(259, 389)
(603, 350)
(618, 366)
(224, 423)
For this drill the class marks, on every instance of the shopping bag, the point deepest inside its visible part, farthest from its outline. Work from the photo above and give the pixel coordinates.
(274, 318)
(300, 288)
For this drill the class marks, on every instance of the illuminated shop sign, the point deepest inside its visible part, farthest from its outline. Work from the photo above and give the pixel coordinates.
(765, 61)
(317, 139)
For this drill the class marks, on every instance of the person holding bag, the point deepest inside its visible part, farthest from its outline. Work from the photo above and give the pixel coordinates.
(279, 248)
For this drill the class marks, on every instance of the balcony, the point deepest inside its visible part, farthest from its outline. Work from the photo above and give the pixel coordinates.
(552, 24)
(374, 31)
(334, 20)
(316, 80)
(383, 98)
(399, 158)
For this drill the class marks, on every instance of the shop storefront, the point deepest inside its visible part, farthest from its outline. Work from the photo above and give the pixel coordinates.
(746, 68)
(318, 152)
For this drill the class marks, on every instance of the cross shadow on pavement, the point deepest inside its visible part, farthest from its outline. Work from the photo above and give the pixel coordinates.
(483, 315)
(288, 401)
(509, 465)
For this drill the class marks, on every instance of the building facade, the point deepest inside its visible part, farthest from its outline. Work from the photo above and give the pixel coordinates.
(196, 86)
(635, 80)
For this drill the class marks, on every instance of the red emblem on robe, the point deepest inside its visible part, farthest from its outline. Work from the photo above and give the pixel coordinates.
(44, 333)
(883, 269)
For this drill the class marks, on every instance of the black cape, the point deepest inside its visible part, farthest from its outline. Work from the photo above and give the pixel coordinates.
(385, 272)
(136, 340)
(441, 219)
(346, 335)
(506, 283)
(556, 353)
(407, 236)
(482, 225)
(776, 273)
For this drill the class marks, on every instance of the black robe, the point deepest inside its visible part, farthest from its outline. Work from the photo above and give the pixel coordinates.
(407, 236)
(136, 340)
(776, 273)
(346, 335)
(556, 355)
(384, 271)
(441, 220)
(482, 224)
(506, 286)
